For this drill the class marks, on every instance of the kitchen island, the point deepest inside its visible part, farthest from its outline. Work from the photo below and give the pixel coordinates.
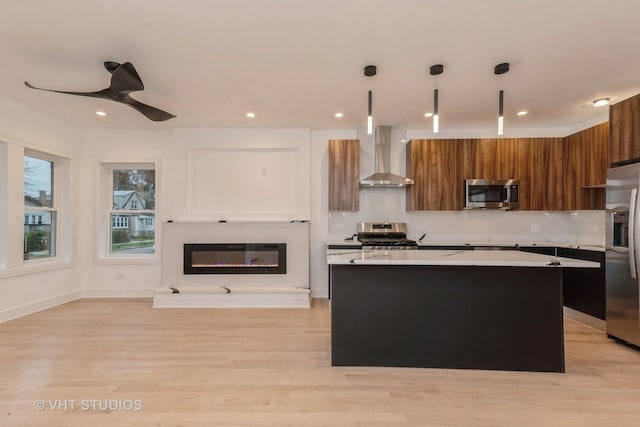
(478, 309)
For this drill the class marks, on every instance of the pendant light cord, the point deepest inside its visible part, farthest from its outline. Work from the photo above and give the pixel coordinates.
(499, 70)
(436, 70)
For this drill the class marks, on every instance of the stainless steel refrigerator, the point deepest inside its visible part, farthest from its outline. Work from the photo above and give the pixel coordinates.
(623, 253)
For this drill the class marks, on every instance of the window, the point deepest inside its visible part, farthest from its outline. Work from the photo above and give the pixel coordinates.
(120, 222)
(40, 213)
(132, 197)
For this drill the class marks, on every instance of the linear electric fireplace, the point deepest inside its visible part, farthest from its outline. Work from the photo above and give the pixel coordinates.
(235, 258)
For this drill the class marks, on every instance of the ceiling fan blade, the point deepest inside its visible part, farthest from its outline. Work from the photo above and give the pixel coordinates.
(104, 93)
(111, 66)
(125, 79)
(152, 113)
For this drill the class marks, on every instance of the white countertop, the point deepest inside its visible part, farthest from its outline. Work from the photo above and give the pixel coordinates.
(503, 258)
(520, 244)
(482, 243)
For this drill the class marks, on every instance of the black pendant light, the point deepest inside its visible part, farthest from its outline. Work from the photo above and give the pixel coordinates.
(436, 70)
(499, 70)
(370, 71)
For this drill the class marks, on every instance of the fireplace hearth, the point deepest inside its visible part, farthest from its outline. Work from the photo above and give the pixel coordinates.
(235, 258)
(234, 264)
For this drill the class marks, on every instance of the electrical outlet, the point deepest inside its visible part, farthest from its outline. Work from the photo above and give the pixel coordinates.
(535, 228)
(594, 229)
(119, 276)
(339, 226)
(421, 227)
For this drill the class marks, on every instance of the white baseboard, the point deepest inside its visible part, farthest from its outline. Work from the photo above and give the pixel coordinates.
(34, 307)
(117, 293)
(232, 300)
(320, 292)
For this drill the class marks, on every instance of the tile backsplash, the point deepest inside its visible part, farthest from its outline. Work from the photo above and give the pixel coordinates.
(483, 226)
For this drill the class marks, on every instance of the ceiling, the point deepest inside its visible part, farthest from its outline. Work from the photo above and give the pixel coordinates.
(297, 62)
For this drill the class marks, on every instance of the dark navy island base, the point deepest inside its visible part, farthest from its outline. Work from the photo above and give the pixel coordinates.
(471, 317)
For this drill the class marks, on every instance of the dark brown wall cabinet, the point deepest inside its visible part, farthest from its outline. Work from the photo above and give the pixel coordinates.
(624, 122)
(539, 169)
(440, 166)
(555, 173)
(489, 159)
(435, 167)
(586, 158)
(344, 174)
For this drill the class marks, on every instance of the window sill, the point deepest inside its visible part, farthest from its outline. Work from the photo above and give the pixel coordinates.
(34, 267)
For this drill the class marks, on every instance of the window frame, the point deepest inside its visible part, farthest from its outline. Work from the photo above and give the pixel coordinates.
(12, 206)
(104, 253)
(54, 210)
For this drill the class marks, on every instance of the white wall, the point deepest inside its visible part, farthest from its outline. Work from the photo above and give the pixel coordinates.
(104, 276)
(267, 177)
(186, 184)
(33, 286)
(320, 207)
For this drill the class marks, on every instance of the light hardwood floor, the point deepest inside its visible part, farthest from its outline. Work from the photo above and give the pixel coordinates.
(271, 367)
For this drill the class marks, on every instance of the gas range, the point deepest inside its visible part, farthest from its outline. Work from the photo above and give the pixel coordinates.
(384, 235)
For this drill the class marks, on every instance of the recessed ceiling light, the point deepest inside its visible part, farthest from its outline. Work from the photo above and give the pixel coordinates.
(338, 115)
(251, 115)
(601, 102)
(522, 113)
(428, 114)
(101, 113)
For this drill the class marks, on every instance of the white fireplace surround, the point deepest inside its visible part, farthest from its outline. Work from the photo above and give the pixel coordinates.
(234, 290)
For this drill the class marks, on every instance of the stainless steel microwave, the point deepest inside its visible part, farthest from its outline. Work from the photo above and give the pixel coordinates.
(491, 193)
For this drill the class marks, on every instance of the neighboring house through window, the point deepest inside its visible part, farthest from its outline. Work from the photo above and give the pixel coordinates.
(132, 191)
(40, 207)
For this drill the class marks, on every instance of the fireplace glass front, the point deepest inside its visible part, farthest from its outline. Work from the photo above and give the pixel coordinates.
(235, 258)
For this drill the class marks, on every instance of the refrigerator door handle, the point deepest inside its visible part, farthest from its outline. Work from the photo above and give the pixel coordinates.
(632, 233)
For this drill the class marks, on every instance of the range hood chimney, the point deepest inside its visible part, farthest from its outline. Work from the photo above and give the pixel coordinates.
(382, 177)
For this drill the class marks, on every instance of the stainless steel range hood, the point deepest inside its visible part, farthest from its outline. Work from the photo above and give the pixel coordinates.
(382, 177)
